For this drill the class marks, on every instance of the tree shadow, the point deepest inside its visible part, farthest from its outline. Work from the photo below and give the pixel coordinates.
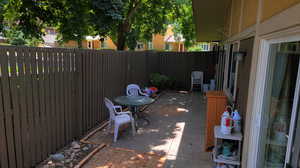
(176, 131)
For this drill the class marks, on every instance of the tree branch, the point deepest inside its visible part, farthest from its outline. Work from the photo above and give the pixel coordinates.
(132, 10)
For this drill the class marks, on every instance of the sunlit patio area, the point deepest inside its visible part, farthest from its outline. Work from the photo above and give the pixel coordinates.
(176, 132)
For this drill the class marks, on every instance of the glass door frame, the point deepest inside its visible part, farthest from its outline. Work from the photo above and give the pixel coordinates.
(291, 35)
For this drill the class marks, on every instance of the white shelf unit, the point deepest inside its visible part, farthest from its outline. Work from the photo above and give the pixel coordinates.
(234, 137)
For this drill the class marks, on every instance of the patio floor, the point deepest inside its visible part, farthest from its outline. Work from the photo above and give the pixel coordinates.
(177, 131)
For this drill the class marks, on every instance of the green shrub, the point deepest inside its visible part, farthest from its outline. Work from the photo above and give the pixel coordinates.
(162, 82)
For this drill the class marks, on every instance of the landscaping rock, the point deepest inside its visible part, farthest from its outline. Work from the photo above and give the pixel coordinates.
(85, 148)
(69, 156)
(75, 145)
(57, 157)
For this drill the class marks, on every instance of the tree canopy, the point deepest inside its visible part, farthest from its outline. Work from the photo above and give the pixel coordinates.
(125, 21)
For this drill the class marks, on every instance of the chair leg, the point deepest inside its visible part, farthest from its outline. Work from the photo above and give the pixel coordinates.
(109, 125)
(116, 131)
(133, 127)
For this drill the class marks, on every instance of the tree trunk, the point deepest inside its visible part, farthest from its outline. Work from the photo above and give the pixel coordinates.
(121, 39)
(79, 43)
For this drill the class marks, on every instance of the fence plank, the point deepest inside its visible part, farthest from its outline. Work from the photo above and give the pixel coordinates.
(37, 128)
(14, 86)
(56, 96)
(48, 104)
(3, 141)
(61, 96)
(68, 97)
(79, 91)
(7, 109)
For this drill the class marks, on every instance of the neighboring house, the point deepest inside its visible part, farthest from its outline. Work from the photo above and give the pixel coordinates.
(262, 73)
(2, 39)
(50, 38)
(167, 42)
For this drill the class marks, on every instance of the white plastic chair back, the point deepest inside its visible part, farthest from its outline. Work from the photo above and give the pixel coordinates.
(110, 107)
(133, 90)
(197, 79)
(197, 76)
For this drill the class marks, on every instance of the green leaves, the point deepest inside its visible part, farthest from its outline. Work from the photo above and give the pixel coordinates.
(184, 23)
(73, 23)
(125, 21)
(105, 15)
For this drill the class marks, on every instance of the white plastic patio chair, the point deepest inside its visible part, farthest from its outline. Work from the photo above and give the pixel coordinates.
(118, 118)
(134, 90)
(197, 79)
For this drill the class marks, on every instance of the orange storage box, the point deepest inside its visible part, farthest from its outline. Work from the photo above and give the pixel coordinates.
(216, 104)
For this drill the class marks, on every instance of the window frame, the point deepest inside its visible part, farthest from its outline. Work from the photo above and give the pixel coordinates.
(103, 44)
(290, 35)
(150, 45)
(230, 61)
(90, 44)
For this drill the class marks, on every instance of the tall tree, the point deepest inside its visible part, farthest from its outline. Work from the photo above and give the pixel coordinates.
(2, 5)
(31, 16)
(73, 21)
(140, 19)
(125, 21)
(183, 22)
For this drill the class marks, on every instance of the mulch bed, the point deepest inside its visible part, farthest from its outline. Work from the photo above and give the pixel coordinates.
(78, 151)
(110, 157)
(69, 156)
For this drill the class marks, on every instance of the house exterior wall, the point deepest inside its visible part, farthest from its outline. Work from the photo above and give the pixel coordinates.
(273, 7)
(243, 14)
(111, 44)
(158, 42)
(227, 28)
(96, 44)
(70, 44)
(236, 14)
(249, 13)
(261, 20)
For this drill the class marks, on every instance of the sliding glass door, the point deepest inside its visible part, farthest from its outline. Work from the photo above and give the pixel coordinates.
(280, 106)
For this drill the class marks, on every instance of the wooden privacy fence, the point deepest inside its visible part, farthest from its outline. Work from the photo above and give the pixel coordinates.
(50, 96)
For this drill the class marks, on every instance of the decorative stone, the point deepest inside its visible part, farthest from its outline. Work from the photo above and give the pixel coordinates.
(85, 149)
(57, 157)
(75, 145)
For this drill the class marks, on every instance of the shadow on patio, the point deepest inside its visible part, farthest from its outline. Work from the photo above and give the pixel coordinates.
(177, 131)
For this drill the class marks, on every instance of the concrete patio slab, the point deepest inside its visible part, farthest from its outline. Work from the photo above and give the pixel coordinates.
(177, 130)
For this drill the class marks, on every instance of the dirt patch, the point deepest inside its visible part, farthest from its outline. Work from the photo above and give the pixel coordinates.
(111, 157)
(69, 156)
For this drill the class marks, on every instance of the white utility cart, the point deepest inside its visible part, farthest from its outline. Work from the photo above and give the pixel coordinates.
(219, 137)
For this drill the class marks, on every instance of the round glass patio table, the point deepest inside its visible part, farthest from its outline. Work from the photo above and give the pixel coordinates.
(133, 102)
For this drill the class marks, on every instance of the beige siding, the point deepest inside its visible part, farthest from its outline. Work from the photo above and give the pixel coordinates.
(227, 21)
(273, 7)
(236, 14)
(249, 13)
(158, 42)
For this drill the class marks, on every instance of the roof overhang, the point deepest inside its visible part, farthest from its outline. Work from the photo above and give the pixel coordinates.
(209, 18)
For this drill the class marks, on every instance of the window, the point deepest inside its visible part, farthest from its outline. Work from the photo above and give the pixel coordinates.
(280, 105)
(150, 45)
(104, 44)
(231, 72)
(90, 45)
(204, 46)
(168, 47)
(139, 46)
(181, 47)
